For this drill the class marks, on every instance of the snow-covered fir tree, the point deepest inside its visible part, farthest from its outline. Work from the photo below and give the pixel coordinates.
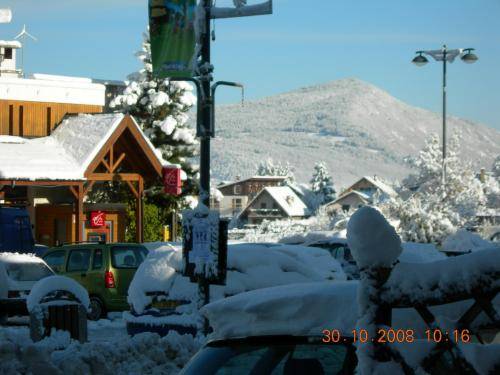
(270, 168)
(427, 210)
(322, 185)
(160, 107)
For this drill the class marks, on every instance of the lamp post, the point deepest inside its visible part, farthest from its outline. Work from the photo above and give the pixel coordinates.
(445, 55)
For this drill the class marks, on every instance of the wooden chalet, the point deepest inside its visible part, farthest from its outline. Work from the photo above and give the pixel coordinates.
(53, 175)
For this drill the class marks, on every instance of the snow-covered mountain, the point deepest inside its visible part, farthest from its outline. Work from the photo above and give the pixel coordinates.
(355, 127)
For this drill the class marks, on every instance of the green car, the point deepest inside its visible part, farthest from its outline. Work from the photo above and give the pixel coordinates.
(105, 270)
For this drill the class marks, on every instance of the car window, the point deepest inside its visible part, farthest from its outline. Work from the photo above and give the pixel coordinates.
(55, 259)
(127, 256)
(27, 271)
(78, 260)
(97, 259)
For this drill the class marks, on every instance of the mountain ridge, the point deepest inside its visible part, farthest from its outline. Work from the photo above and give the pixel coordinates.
(354, 126)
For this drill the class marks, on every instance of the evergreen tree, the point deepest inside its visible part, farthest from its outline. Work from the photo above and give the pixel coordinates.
(322, 185)
(160, 107)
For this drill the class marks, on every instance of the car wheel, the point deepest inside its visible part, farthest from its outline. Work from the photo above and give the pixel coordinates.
(3, 318)
(96, 309)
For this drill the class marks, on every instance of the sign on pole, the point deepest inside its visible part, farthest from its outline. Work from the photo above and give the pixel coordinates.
(172, 183)
(172, 37)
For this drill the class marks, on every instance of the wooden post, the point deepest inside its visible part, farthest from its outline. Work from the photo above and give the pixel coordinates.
(80, 217)
(139, 211)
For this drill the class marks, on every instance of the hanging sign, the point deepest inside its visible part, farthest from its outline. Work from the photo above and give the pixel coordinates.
(172, 183)
(172, 37)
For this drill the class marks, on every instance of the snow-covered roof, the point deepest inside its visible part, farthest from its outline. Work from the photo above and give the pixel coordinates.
(286, 198)
(381, 185)
(65, 154)
(10, 44)
(251, 178)
(364, 197)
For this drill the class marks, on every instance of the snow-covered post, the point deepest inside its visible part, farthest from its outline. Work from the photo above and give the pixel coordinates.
(375, 246)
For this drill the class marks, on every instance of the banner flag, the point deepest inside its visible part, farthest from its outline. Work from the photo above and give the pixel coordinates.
(172, 37)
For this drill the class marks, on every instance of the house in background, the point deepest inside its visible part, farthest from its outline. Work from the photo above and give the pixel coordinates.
(233, 197)
(274, 203)
(361, 193)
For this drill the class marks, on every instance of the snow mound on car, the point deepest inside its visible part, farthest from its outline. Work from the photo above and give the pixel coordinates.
(250, 266)
(299, 309)
(54, 283)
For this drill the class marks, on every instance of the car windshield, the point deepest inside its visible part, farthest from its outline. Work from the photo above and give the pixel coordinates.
(282, 356)
(127, 256)
(27, 271)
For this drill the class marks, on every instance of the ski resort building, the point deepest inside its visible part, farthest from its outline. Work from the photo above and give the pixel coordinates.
(52, 176)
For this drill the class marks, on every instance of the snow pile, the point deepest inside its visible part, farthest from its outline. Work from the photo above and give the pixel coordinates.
(464, 241)
(420, 253)
(372, 240)
(299, 309)
(54, 283)
(146, 353)
(250, 266)
(484, 358)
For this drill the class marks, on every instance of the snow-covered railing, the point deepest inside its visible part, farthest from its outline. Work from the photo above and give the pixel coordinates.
(387, 285)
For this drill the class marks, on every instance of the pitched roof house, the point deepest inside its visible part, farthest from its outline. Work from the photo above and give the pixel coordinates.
(274, 203)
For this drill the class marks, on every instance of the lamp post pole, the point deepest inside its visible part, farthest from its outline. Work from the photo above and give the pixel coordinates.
(444, 113)
(445, 55)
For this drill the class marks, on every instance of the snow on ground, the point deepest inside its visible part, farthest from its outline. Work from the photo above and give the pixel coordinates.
(464, 241)
(109, 351)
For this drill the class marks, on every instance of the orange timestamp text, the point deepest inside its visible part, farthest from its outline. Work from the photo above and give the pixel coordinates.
(390, 335)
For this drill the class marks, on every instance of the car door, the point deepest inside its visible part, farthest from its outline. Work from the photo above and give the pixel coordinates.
(77, 265)
(95, 275)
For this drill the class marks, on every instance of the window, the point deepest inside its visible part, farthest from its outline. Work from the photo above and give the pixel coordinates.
(237, 189)
(97, 259)
(263, 205)
(127, 257)
(55, 259)
(236, 203)
(7, 54)
(79, 260)
(275, 205)
(345, 207)
(27, 271)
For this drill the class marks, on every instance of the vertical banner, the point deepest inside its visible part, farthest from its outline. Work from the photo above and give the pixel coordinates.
(172, 37)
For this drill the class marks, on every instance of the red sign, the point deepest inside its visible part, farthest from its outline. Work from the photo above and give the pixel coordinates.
(97, 219)
(172, 180)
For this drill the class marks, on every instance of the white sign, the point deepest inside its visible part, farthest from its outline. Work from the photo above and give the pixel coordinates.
(201, 240)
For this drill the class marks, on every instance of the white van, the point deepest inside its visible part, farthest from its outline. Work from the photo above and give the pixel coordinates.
(18, 274)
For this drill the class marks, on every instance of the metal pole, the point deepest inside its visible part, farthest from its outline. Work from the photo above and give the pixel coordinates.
(444, 114)
(206, 119)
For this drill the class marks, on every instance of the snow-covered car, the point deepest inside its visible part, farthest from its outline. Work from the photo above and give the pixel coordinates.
(162, 299)
(339, 249)
(281, 330)
(18, 274)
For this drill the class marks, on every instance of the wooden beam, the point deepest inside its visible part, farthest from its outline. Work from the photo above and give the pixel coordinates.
(111, 158)
(79, 214)
(108, 167)
(39, 182)
(118, 161)
(74, 191)
(114, 176)
(131, 186)
(88, 187)
(139, 213)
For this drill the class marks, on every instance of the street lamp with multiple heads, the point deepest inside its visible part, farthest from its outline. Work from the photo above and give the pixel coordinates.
(445, 55)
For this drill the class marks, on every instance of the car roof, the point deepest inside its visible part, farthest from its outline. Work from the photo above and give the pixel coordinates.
(90, 244)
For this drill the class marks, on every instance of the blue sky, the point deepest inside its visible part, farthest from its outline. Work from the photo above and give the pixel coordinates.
(302, 43)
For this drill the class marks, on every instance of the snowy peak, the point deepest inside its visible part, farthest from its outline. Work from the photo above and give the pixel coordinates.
(355, 127)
